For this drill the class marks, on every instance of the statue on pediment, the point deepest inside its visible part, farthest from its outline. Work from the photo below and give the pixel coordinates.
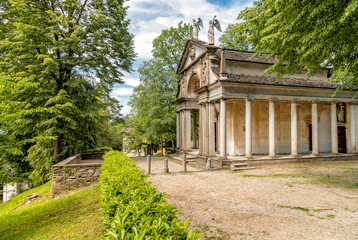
(196, 27)
(213, 23)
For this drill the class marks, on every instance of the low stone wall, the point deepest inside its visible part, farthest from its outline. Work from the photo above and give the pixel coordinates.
(74, 172)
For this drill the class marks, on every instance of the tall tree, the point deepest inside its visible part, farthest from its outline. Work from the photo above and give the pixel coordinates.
(235, 37)
(153, 110)
(307, 34)
(73, 51)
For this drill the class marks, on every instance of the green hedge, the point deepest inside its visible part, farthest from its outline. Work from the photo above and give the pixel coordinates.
(132, 208)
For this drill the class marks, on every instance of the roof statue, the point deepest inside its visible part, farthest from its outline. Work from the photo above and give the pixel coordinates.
(196, 27)
(213, 23)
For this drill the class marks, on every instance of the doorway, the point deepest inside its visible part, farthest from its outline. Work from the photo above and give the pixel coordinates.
(310, 136)
(342, 140)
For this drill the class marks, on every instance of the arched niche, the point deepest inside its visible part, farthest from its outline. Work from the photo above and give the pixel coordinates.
(194, 84)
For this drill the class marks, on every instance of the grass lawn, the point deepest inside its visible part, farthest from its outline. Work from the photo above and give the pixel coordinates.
(74, 216)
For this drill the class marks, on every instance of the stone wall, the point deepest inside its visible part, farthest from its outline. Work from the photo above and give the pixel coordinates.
(75, 172)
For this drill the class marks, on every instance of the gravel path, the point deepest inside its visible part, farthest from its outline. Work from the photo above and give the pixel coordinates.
(232, 205)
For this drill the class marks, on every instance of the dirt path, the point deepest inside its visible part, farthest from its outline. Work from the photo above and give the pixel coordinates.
(272, 202)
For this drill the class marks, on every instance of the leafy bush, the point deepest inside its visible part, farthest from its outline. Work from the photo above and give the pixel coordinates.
(170, 151)
(132, 208)
(158, 154)
(100, 149)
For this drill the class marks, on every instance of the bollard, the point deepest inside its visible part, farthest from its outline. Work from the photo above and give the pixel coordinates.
(208, 164)
(166, 168)
(184, 162)
(149, 163)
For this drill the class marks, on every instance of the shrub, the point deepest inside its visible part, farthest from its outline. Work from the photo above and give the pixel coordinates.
(158, 154)
(132, 208)
(170, 151)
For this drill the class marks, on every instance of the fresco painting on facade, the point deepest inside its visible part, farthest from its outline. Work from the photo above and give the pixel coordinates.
(245, 115)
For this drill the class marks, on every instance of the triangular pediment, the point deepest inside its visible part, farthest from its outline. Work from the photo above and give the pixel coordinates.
(192, 51)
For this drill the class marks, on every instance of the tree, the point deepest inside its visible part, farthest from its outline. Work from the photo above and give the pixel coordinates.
(234, 37)
(308, 34)
(72, 52)
(153, 116)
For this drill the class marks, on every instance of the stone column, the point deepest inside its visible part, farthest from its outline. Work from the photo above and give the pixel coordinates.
(272, 140)
(194, 130)
(352, 126)
(248, 140)
(201, 129)
(187, 130)
(294, 129)
(182, 132)
(206, 130)
(178, 131)
(211, 130)
(223, 128)
(334, 134)
(314, 129)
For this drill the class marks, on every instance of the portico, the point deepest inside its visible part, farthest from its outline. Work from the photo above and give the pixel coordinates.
(241, 114)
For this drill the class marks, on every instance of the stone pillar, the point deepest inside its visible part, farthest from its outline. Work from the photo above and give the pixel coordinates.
(211, 130)
(248, 140)
(178, 131)
(201, 129)
(194, 130)
(206, 129)
(187, 130)
(182, 132)
(272, 140)
(294, 129)
(352, 126)
(315, 150)
(223, 128)
(334, 134)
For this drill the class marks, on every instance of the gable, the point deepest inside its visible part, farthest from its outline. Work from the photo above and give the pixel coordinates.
(191, 53)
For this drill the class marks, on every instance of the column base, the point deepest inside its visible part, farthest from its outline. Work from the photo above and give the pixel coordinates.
(294, 155)
(222, 158)
(272, 156)
(315, 154)
(334, 153)
(249, 157)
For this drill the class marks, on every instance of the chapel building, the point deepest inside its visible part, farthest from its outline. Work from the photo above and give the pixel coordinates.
(227, 111)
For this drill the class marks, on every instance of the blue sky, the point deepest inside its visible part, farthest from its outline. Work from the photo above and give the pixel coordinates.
(150, 17)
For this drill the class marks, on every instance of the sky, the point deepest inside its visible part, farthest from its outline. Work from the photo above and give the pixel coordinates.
(148, 19)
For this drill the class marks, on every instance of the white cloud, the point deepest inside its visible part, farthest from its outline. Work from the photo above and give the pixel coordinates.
(131, 81)
(150, 17)
(122, 91)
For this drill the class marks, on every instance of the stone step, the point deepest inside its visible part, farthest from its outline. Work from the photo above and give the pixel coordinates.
(242, 168)
(239, 164)
(187, 159)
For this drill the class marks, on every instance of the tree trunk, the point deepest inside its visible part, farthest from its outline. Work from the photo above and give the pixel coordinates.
(58, 148)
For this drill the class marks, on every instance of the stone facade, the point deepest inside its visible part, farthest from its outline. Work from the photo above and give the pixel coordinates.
(12, 189)
(77, 171)
(243, 114)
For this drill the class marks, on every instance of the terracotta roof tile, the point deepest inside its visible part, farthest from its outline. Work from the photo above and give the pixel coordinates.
(239, 55)
(269, 80)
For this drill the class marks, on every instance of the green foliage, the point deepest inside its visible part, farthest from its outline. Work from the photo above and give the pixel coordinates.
(132, 208)
(153, 117)
(78, 215)
(58, 63)
(307, 34)
(234, 37)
